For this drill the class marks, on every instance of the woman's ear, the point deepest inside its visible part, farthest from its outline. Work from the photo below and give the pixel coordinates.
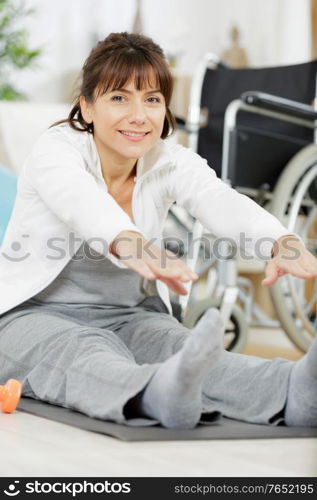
(85, 109)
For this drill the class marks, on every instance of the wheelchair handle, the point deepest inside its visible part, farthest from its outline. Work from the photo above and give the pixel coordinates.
(279, 104)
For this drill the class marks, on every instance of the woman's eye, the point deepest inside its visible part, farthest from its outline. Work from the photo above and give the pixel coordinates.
(154, 99)
(117, 98)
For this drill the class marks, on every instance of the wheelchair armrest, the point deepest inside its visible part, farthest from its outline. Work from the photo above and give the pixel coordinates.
(180, 123)
(279, 104)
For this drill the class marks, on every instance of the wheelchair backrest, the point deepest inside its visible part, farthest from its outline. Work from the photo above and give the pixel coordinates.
(262, 145)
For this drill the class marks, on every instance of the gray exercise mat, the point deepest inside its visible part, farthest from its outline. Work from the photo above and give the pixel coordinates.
(220, 428)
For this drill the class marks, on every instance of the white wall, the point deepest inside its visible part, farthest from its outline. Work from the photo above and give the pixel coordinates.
(274, 32)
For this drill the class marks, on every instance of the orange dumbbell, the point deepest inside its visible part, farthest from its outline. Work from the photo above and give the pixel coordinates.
(10, 394)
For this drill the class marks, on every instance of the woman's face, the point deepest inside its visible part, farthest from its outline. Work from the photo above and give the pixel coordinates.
(127, 122)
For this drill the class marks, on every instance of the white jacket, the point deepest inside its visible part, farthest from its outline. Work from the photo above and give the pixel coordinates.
(62, 200)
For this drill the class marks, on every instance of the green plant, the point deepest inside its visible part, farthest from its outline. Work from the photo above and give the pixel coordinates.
(14, 50)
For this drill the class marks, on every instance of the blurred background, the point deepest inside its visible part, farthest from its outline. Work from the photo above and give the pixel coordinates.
(245, 32)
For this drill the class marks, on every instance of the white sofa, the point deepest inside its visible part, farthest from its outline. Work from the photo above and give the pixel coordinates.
(21, 123)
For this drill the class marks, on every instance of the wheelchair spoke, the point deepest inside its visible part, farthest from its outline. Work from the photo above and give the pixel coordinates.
(304, 293)
(299, 196)
(294, 203)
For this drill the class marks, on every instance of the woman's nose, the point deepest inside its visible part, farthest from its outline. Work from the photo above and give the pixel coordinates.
(138, 113)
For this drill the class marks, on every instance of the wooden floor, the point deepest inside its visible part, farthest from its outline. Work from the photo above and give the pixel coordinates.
(32, 446)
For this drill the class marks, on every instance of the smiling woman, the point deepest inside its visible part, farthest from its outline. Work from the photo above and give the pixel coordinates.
(124, 102)
(117, 60)
(85, 316)
(127, 123)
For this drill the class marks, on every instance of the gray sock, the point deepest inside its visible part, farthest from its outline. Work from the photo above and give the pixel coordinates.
(174, 394)
(301, 405)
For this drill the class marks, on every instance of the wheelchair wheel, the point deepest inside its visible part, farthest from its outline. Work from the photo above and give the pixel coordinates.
(294, 203)
(236, 333)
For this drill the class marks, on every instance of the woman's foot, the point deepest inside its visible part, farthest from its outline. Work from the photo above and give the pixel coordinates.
(173, 395)
(301, 405)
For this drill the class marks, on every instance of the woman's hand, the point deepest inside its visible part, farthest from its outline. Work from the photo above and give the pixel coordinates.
(290, 256)
(151, 261)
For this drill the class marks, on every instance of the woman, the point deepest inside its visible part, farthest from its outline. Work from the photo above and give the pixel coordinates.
(85, 317)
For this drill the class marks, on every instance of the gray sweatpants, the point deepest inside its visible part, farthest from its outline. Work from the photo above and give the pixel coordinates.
(95, 359)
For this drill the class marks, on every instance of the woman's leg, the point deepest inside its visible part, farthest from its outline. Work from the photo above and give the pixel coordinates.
(70, 364)
(76, 365)
(239, 386)
(174, 394)
(91, 370)
(301, 407)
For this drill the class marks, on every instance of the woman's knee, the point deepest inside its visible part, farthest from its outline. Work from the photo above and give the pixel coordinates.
(154, 340)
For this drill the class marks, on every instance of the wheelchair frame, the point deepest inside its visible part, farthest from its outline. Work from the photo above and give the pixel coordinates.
(229, 284)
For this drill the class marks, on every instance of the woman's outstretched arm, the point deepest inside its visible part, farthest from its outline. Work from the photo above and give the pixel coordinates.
(233, 216)
(151, 261)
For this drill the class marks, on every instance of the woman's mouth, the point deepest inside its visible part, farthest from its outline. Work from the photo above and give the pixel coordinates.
(133, 136)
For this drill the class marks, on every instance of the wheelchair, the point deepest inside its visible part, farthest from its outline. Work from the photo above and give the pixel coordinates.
(257, 130)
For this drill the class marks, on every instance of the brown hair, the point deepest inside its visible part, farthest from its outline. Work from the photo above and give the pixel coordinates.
(111, 64)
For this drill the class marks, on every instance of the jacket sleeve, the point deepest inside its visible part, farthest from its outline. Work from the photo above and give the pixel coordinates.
(222, 210)
(57, 171)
